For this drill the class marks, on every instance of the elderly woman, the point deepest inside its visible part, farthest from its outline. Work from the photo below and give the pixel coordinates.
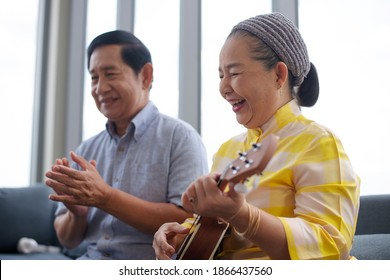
(305, 203)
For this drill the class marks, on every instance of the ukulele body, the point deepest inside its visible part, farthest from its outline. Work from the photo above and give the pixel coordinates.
(207, 230)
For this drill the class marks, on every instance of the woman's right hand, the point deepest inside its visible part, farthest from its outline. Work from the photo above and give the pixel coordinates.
(167, 238)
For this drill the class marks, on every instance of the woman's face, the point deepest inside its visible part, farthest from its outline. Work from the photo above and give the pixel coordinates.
(253, 91)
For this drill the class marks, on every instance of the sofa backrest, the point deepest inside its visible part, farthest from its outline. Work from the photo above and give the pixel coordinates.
(26, 212)
(372, 238)
(374, 214)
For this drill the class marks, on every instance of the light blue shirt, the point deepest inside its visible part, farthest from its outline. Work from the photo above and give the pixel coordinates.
(157, 158)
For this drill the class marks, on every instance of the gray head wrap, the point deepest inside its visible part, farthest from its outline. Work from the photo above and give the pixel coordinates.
(281, 35)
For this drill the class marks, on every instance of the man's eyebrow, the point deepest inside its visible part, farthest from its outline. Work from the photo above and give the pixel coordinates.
(104, 68)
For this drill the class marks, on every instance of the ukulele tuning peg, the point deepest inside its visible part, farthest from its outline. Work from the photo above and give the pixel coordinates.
(248, 162)
(243, 155)
(256, 145)
(235, 169)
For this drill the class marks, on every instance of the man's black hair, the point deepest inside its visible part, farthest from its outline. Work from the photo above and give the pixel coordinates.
(134, 52)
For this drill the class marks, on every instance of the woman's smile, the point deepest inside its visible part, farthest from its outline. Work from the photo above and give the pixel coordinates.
(238, 105)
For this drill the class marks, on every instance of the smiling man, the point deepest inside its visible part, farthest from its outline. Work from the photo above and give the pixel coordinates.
(127, 180)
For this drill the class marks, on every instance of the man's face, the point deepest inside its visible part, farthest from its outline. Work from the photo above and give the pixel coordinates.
(118, 92)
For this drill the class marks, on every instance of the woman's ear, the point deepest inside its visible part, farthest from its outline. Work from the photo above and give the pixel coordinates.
(147, 76)
(281, 73)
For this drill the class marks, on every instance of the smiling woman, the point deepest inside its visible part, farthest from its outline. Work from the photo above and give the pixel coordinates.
(218, 119)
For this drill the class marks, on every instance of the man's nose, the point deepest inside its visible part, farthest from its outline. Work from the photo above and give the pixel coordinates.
(102, 86)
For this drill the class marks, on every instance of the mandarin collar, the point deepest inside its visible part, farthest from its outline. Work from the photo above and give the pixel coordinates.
(284, 115)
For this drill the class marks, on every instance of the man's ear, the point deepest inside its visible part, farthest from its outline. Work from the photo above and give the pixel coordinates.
(147, 76)
(281, 73)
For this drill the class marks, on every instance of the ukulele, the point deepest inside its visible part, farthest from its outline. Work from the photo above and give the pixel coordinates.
(206, 233)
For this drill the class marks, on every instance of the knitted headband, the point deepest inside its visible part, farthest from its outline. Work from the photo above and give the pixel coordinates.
(280, 34)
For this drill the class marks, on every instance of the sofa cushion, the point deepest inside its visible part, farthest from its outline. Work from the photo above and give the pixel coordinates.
(374, 214)
(26, 212)
(371, 247)
(34, 256)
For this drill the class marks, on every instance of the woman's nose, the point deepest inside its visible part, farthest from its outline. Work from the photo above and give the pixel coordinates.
(224, 88)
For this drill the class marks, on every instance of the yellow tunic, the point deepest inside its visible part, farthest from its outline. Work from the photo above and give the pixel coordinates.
(309, 184)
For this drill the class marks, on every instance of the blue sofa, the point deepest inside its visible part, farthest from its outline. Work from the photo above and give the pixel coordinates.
(27, 212)
(372, 237)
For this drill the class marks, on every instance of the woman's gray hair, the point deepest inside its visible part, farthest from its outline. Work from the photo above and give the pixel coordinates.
(281, 37)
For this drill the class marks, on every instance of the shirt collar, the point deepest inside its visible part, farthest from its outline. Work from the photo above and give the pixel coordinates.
(138, 124)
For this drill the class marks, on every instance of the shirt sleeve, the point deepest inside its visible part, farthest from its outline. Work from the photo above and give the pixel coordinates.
(188, 161)
(326, 202)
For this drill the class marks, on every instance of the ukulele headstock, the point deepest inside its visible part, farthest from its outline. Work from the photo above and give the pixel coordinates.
(250, 162)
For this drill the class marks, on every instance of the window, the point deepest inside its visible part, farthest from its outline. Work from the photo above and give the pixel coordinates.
(18, 24)
(160, 34)
(94, 121)
(158, 28)
(348, 43)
